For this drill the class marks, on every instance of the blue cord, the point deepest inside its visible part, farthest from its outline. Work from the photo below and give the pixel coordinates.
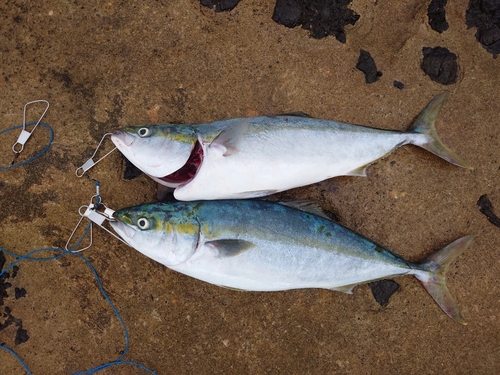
(106, 365)
(28, 257)
(36, 156)
(18, 358)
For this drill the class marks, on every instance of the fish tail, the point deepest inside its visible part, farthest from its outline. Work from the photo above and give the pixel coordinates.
(434, 276)
(424, 124)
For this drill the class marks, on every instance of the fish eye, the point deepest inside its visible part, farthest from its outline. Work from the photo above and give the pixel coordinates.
(143, 223)
(143, 132)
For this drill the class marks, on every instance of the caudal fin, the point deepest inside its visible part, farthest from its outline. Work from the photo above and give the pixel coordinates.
(434, 280)
(424, 124)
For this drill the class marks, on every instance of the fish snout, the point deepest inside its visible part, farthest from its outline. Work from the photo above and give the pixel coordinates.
(123, 230)
(122, 139)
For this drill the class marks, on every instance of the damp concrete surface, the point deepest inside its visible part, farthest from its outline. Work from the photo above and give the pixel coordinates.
(114, 63)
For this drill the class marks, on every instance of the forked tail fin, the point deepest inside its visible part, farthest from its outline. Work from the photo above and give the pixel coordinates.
(424, 124)
(434, 279)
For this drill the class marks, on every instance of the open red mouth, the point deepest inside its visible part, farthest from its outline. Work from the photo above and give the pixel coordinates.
(188, 170)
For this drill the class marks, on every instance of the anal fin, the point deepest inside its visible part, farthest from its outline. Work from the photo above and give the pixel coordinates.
(359, 172)
(345, 288)
(254, 194)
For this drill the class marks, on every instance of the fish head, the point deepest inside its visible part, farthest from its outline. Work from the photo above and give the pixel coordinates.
(163, 232)
(157, 150)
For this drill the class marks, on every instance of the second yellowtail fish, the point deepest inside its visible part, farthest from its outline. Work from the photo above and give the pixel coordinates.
(265, 246)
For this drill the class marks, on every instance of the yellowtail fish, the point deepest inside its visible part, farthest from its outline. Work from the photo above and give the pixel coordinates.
(257, 156)
(264, 246)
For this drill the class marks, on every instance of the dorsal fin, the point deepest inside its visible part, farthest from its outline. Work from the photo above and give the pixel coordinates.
(297, 114)
(229, 138)
(306, 206)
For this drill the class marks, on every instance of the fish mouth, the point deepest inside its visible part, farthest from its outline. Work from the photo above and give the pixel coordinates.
(188, 171)
(122, 139)
(125, 231)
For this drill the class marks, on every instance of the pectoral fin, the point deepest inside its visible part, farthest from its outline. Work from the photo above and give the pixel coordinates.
(229, 138)
(230, 248)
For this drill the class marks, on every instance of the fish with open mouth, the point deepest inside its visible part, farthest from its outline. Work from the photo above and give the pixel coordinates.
(258, 156)
(264, 246)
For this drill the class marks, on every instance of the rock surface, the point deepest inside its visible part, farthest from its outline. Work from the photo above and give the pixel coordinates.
(103, 65)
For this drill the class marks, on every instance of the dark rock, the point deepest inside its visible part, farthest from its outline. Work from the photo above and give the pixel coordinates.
(220, 5)
(2, 260)
(382, 290)
(21, 335)
(9, 319)
(367, 65)
(287, 13)
(3, 290)
(3, 284)
(440, 65)
(320, 17)
(399, 85)
(437, 15)
(485, 16)
(486, 209)
(19, 292)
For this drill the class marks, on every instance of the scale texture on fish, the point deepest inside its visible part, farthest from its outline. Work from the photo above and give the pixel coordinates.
(258, 156)
(264, 246)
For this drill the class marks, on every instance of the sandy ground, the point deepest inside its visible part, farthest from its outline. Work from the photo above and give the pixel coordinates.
(114, 64)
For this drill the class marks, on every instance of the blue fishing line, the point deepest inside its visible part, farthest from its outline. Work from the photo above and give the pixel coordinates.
(106, 365)
(29, 257)
(36, 156)
(17, 357)
(63, 252)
